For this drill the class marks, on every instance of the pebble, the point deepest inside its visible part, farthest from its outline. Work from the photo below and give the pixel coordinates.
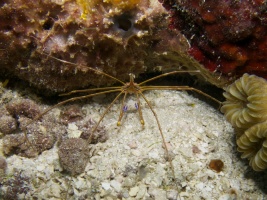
(116, 185)
(224, 184)
(128, 182)
(184, 184)
(133, 191)
(184, 194)
(136, 152)
(40, 167)
(81, 183)
(159, 194)
(186, 152)
(132, 145)
(125, 194)
(194, 167)
(55, 190)
(72, 127)
(200, 186)
(153, 155)
(172, 194)
(141, 192)
(226, 197)
(73, 131)
(106, 186)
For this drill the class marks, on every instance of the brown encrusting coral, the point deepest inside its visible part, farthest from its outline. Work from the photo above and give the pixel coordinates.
(8, 125)
(74, 155)
(71, 114)
(228, 37)
(86, 126)
(113, 37)
(15, 187)
(20, 116)
(246, 109)
(3, 166)
(16, 117)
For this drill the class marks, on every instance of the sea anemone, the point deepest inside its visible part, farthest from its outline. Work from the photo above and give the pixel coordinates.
(253, 145)
(246, 102)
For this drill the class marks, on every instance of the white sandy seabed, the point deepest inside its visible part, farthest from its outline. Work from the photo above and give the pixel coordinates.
(131, 163)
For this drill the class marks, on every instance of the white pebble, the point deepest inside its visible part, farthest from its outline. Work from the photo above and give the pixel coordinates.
(172, 194)
(40, 167)
(116, 185)
(142, 191)
(72, 127)
(106, 186)
(135, 152)
(153, 155)
(133, 191)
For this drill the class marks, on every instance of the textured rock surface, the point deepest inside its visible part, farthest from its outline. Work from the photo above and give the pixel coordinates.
(226, 36)
(115, 39)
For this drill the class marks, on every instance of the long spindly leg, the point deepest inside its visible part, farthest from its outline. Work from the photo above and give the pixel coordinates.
(145, 88)
(59, 104)
(140, 110)
(163, 139)
(89, 90)
(122, 109)
(167, 74)
(103, 115)
(89, 68)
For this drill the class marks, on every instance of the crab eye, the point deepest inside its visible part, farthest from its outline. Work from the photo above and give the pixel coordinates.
(125, 108)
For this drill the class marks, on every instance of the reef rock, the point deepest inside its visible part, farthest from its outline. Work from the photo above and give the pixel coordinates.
(116, 37)
(228, 37)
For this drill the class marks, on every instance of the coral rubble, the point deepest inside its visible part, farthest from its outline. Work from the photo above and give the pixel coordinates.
(117, 37)
(246, 109)
(16, 117)
(15, 187)
(225, 36)
(74, 155)
(3, 166)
